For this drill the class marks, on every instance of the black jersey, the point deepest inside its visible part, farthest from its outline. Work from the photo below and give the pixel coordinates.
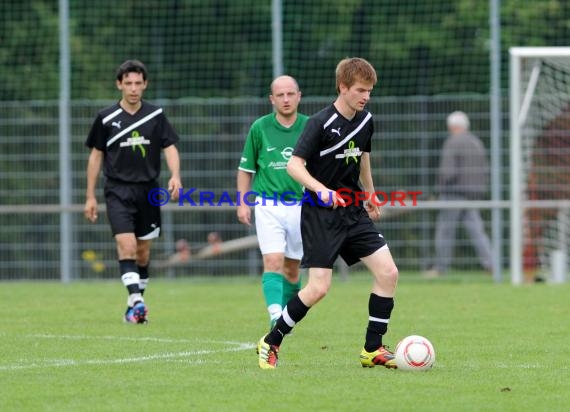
(332, 145)
(131, 143)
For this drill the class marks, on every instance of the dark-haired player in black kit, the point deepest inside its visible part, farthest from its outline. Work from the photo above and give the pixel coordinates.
(127, 139)
(333, 153)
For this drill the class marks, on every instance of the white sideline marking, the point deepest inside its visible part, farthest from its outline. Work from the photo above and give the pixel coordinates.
(129, 338)
(169, 356)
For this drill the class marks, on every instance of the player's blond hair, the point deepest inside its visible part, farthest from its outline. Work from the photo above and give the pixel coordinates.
(352, 70)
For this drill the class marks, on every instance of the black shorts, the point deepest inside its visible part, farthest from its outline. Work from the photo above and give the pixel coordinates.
(328, 233)
(129, 210)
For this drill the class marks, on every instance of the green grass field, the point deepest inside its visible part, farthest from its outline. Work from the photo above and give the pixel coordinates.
(64, 348)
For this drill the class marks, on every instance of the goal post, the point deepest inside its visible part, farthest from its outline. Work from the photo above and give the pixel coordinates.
(539, 84)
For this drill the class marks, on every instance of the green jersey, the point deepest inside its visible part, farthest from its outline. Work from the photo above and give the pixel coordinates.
(268, 148)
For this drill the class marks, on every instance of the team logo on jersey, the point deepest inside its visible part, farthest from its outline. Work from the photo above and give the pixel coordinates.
(352, 153)
(117, 124)
(136, 141)
(281, 165)
(287, 153)
(337, 131)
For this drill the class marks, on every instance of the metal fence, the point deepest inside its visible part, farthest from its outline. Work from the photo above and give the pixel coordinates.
(410, 134)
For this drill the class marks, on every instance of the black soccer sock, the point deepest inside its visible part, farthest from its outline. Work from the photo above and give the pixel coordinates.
(143, 274)
(130, 276)
(291, 315)
(379, 311)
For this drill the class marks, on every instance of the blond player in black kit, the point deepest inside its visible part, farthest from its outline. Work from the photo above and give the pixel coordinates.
(333, 153)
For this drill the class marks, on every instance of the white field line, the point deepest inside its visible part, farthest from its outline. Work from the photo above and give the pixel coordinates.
(129, 339)
(168, 356)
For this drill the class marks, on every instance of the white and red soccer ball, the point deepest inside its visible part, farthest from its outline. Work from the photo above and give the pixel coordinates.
(415, 353)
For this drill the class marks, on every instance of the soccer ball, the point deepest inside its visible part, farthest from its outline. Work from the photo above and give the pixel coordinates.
(415, 353)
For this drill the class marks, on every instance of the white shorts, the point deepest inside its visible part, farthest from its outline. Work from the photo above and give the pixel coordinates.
(278, 229)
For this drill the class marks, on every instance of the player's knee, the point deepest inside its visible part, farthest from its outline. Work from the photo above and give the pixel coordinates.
(319, 291)
(273, 263)
(291, 272)
(389, 275)
(392, 274)
(143, 256)
(292, 277)
(127, 250)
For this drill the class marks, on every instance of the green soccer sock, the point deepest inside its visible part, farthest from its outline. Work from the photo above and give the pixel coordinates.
(290, 290)
(273, 292)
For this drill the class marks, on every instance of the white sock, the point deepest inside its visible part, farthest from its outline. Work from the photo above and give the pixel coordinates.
(134, 298)
(132, 278)
(274, 311)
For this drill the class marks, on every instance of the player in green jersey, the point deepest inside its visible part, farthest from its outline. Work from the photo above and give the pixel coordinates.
(267, 150)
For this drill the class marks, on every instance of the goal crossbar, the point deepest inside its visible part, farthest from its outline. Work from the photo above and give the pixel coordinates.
(540, 52)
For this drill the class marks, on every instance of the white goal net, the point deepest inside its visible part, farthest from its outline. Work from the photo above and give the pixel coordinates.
(540, 162)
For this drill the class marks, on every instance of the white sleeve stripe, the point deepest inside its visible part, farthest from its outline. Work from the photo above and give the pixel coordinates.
(373, 319)
(246, 170)
(133, 126)
(287, 318)
(347, 138)
(331, 119)
(112, 115)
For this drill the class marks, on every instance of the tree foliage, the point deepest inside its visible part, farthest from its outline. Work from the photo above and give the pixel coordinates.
(222, 48)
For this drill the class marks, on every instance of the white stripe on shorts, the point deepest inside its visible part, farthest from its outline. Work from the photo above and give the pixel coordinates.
(151, 235)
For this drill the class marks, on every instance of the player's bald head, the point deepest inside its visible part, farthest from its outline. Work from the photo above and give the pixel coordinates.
(284, 81)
